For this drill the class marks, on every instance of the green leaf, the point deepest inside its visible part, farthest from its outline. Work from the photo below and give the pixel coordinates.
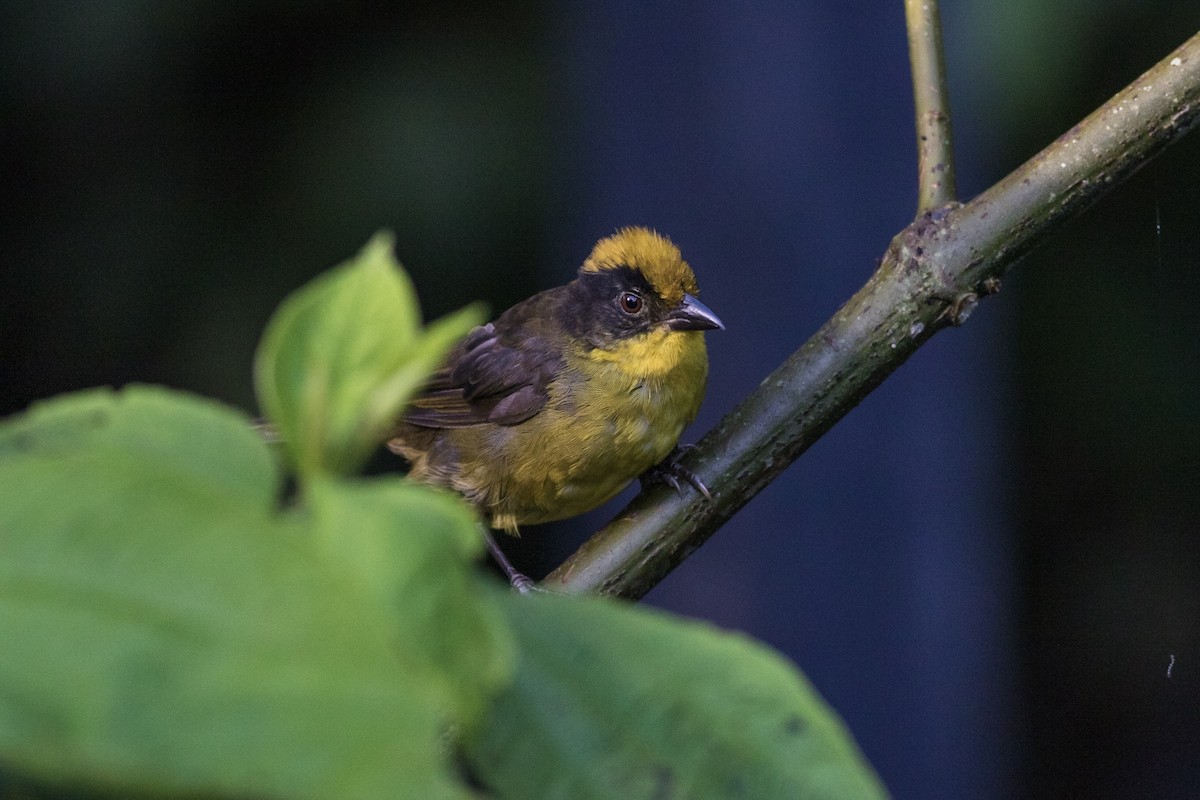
(166, 630)
(343, 354)
(616, 702)
(141, 425)
(460, 641)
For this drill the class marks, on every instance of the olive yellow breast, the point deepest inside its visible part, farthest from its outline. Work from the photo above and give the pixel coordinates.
(612, 414)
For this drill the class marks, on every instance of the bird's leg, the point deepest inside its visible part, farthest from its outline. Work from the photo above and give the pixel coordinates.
(520, 581)
(670, 471)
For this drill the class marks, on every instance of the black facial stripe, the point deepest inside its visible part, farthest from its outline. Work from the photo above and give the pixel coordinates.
(594, 311)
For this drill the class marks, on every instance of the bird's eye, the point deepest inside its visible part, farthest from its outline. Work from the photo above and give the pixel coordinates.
(630, 302)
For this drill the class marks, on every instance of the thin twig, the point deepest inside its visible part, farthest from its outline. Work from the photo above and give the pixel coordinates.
(931, 277)
(935, 149)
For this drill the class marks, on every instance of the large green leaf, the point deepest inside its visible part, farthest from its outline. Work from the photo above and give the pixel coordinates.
(343, 354)
(442, 624)
(611, 701)
(166, 629)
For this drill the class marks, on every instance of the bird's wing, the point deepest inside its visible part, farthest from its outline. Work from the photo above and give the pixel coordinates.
(491, 377)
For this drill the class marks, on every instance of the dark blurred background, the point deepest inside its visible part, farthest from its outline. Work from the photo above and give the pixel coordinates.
(987, 567)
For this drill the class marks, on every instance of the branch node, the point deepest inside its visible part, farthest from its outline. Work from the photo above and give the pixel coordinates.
(960, 308)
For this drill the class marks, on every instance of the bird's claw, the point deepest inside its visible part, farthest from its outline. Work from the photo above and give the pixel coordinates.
(522, 584)
(670, 471)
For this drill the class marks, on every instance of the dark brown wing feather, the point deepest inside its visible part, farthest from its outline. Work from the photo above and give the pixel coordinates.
(498, 374)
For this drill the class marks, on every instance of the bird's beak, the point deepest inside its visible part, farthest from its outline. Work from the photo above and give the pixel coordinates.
(692, 315)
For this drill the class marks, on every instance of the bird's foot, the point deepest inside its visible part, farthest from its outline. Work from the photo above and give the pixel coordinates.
(671, 472)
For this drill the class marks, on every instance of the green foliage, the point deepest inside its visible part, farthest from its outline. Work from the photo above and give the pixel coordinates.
(170, 627)
(611, 701)
(167, 629)
(343, 354)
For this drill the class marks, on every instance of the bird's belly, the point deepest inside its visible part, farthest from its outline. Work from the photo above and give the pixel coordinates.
(601, 428)
(600, 457)
(610, 470)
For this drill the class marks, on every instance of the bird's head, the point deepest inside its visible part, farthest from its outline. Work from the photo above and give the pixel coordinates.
(636, 287)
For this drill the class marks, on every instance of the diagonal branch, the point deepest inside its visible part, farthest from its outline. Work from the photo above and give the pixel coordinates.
(932, 275)
(935, 150)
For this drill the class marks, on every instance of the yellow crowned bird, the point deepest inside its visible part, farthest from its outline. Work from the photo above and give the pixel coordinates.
(560, 402)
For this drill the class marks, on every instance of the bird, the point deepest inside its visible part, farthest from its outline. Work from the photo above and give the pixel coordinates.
(564, 399)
